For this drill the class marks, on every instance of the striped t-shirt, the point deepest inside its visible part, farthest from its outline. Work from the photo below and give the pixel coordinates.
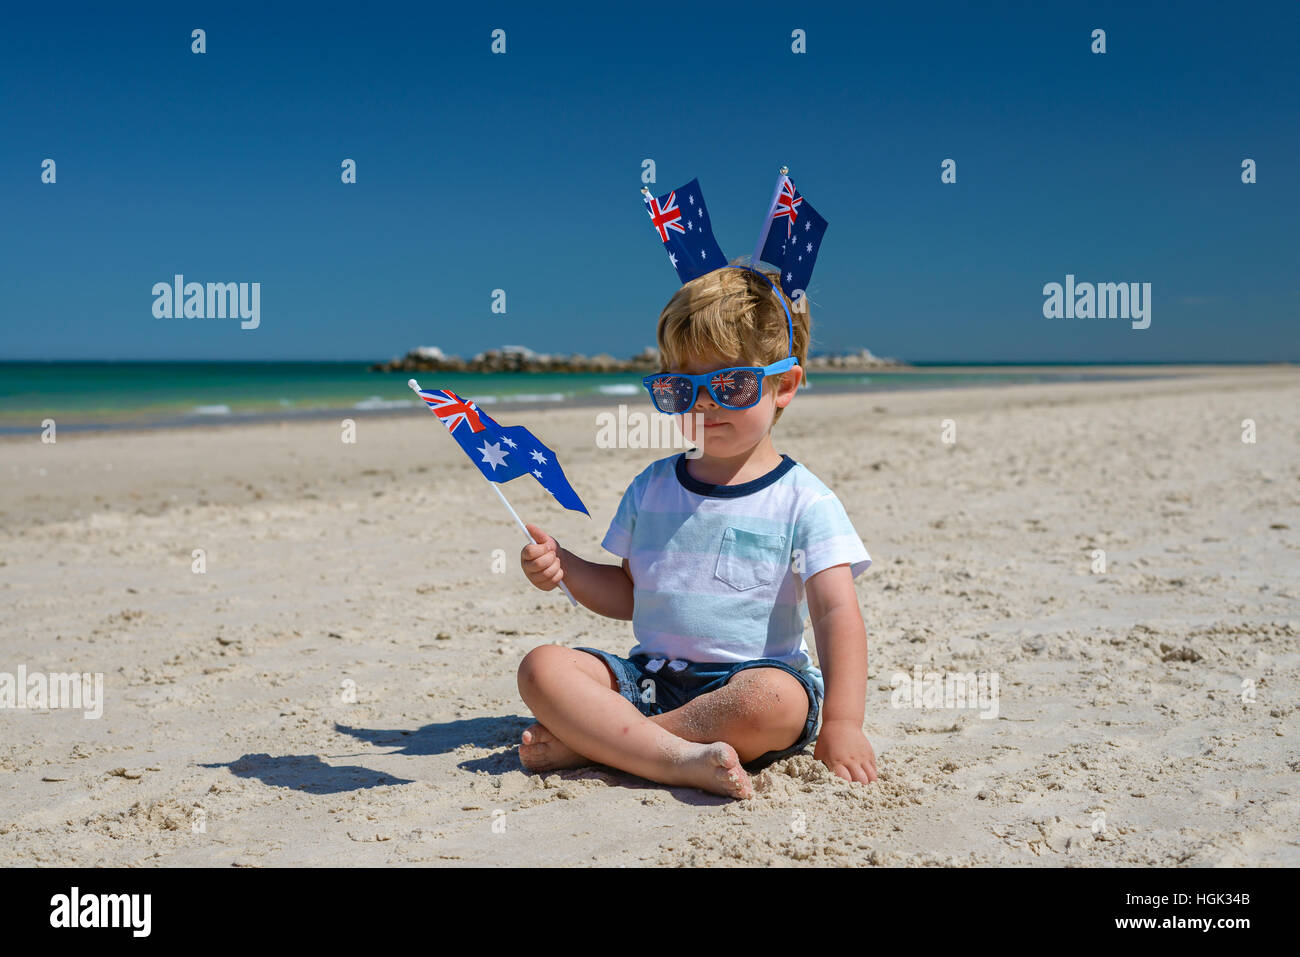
(718, 571)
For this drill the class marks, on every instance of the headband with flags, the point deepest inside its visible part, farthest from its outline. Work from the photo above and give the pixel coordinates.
(790, 238)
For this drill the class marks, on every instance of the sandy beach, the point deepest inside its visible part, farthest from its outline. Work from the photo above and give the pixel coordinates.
(338, 686)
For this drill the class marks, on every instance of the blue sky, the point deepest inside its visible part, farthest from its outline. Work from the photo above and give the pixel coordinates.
(522, 172)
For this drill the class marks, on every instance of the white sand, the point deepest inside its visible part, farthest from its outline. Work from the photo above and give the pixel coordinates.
(1121, 693)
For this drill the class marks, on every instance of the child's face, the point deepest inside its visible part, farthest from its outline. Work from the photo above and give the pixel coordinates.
(725, 433)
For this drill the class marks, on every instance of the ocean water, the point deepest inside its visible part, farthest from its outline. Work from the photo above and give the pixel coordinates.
(141, 394)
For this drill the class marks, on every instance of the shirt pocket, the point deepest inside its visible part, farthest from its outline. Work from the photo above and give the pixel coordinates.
(749, 559)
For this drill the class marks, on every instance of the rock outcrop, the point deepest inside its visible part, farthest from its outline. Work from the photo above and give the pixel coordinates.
(523, 359)
(517, 359)
(863, 359)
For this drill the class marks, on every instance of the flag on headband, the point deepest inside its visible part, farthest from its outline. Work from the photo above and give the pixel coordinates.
(794, 237)
(682, 223)
(501, 452)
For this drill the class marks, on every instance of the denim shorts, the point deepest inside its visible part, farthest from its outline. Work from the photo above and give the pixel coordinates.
(674, 685)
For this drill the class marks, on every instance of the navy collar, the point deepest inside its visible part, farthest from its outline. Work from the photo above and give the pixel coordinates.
(692, 484)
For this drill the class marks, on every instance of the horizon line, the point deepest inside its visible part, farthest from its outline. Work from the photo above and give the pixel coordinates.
(910, 362)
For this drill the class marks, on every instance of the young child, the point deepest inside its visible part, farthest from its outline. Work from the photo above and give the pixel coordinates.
(723, 556)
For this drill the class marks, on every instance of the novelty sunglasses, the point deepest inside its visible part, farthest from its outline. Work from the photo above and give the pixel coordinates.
(739, 387)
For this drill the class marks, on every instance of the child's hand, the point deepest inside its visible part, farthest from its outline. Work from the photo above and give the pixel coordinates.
(843, 748)
(541, 562)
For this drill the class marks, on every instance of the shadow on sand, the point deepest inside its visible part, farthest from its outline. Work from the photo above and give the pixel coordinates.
(503, 732)
(307, 772)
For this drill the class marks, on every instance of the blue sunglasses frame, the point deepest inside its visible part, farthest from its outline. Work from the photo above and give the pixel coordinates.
(705, 379)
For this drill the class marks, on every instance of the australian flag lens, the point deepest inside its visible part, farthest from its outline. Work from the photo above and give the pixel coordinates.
(737, 388)
(672, 394)
(794, 240)
(682, 223)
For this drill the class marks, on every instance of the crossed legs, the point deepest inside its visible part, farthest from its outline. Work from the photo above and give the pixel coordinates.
(582, 719)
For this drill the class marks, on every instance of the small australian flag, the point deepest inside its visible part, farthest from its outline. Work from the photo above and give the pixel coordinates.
(683, 225)
(794, 239)
(501, 452)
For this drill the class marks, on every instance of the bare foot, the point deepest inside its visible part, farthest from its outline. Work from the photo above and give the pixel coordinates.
(540, 750)
(716, 768)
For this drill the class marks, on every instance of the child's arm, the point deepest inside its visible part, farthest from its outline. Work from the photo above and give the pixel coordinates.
(842, 654)
(605, 589)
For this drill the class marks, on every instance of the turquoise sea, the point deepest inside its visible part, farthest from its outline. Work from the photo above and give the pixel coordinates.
(144, 394)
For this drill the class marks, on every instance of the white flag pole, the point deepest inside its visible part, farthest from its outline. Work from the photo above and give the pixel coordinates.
(518, 521)
(767, 223)
(513, 514)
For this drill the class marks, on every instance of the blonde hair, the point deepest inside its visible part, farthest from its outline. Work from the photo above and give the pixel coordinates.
(732, 312)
